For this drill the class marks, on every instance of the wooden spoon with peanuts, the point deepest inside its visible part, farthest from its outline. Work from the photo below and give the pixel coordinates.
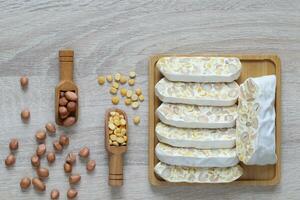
(66, 92)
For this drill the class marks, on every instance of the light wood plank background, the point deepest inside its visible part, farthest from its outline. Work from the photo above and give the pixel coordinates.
(116, 36)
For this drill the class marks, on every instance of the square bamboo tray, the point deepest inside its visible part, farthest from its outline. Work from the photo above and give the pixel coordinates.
(252, 66)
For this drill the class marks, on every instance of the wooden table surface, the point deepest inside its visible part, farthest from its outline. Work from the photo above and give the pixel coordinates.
(119, 36)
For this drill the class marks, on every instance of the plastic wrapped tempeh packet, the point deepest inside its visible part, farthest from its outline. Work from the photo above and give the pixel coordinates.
(173, 173)
(255, 126)
(200, 69)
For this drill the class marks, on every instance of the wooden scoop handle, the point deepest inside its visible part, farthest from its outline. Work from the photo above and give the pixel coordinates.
(115, 170)
(66, 64)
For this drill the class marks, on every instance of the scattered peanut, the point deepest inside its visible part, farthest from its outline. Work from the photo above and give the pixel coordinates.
(51, 127)
(71, 158)
(51, 157)
(68, 168)
(90, 165)
(25, 183)
(41, 150)
(13, 144)
(84, 152)
(64, 140)
(57, 146)
(38, 184)
(42, 172)
(40, 136)
(24, 81)
(131, 82)
(72, 193)
(35, 161)
(25, 114)
(73, 179)
(101, 80)
(54, 194)
(10, 160)
(136, 119)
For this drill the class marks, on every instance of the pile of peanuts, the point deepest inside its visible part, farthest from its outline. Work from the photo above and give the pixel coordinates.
(132, 97)
(67, 107)
(117, 126)
(43, 172)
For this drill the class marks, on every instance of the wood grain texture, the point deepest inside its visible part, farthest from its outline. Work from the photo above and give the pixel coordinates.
(116, 36)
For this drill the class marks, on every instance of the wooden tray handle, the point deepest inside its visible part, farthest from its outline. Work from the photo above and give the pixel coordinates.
(115, 170)
(66, 64)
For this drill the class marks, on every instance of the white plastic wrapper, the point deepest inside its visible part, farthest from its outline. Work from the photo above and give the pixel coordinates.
(256, 121)
(190, 116)
(177, 174)
(205, 94)
(192, 157)
(196, 138)
(200, 69)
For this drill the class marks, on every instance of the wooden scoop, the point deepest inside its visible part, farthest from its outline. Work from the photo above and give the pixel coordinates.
(66, 82)
(115, 153)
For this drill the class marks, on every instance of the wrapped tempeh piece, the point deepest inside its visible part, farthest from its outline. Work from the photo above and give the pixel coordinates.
(196, 138)
(200, 69)
(190, 116)
(173, 173)
(192, 157)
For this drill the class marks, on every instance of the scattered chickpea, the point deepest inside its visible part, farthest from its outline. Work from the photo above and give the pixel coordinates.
(135, 104)
(134, 97)
(123, 79)
(101, 80)
(132, 74)
(141, 97)
(127, 101)
(115, 100)
(109, 78)
(136, 120)
(117, 77)
(115, 85)
(123, 92)
(113, 90)
(129, 93)
(131, 82)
